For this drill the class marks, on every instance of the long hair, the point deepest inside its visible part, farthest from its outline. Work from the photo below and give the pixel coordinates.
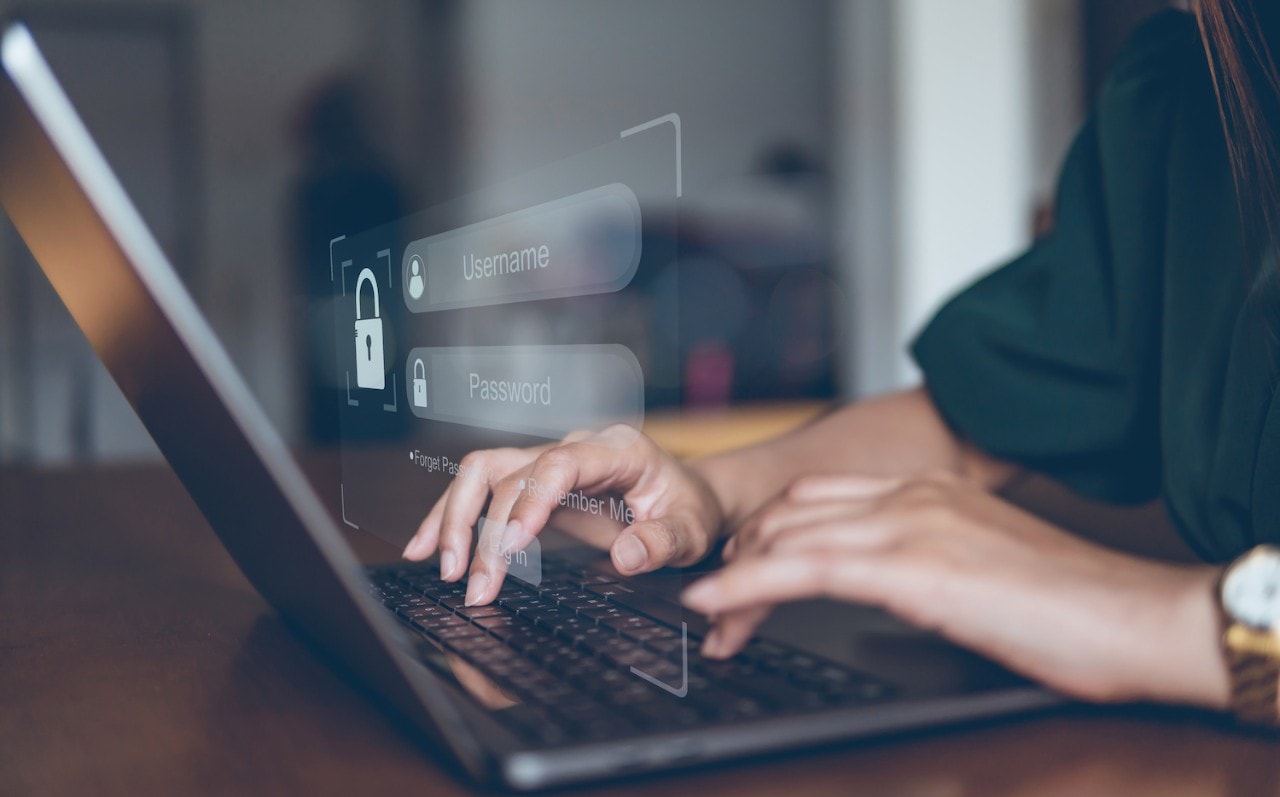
(1239, 38)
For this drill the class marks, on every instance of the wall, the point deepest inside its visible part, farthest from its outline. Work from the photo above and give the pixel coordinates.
(740, 81)
(954, 118)
(250, 78)
(948, 119)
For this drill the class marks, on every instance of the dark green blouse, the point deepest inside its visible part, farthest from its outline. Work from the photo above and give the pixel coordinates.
(1130, 354)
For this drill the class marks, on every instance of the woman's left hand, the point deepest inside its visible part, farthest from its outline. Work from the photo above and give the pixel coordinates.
(943, 554)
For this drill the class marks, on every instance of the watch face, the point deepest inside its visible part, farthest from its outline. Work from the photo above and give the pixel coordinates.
(1251, 590)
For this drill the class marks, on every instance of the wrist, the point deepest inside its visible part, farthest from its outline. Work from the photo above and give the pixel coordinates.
(1195, 670)
(721, 475)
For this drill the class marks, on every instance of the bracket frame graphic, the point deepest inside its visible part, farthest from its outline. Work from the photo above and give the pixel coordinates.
(683, 689)
(342, 494)
(672, 119)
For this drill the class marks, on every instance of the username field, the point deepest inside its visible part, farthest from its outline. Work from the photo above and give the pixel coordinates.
(585, 243)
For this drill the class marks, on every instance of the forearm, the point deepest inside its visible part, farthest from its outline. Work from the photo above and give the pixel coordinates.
(898, 434)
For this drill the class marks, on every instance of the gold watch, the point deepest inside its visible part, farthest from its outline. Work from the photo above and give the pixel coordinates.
(1249, 596)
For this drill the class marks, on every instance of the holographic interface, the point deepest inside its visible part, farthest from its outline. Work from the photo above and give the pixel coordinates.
(510, 318)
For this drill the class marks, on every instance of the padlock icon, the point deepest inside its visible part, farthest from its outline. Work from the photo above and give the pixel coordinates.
(370, 372)
(419, 384)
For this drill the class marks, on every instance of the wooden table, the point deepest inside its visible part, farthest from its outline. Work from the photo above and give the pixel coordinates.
(134, 659)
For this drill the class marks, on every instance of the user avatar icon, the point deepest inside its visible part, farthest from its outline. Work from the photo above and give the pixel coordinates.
(416, 284)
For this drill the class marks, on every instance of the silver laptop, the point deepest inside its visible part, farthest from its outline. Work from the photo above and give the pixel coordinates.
(573, 673)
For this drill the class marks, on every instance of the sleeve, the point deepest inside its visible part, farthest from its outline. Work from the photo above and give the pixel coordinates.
(1053, 361)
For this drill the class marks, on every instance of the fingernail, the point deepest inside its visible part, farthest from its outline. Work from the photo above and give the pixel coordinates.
(630, 553)
(448, 564)
(729, 548)
(411, 549)
(700, 594)
(476, 588)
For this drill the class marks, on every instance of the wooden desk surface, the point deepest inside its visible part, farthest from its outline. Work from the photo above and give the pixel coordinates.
(134, 659)
(696, 432)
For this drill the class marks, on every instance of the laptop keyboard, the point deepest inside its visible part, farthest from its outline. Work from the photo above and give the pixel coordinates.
(564, 652)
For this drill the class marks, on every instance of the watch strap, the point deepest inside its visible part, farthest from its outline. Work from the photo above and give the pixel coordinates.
(1254, 660)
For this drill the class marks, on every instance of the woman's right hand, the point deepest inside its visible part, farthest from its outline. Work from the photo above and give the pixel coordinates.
(677, 516)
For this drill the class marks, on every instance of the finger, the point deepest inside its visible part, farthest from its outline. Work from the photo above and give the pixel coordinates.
(489, 566)
(467, 495)
(850, 530)
(424, 541)
(764, 581)
(838, 536)
(732, 631)
(829, 487)
(651, 544)
(780, 518)
(583, 465)
(505, 495)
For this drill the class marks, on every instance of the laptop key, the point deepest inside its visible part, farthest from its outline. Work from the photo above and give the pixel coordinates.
(587, 637)
(474, 612)
(569, 645)
(603, 614)
(435, 625)
(454, 601)
(496, 624)
(669, 648)
(524, 641)
(471, 645)
(547, 618)
(590, 579)
(422, 613)
(631, 622)
(454, 631)
(608, 591)
(626, 654)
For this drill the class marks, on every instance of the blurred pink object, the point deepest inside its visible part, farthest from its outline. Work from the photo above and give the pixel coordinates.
(708, 374)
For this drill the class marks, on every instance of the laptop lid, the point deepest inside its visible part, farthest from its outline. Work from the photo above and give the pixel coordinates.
(108, 269)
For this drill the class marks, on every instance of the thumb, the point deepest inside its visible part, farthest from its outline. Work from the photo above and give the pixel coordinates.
(651, 544)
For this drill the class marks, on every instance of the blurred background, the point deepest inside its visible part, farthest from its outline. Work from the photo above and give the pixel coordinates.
(847, 164)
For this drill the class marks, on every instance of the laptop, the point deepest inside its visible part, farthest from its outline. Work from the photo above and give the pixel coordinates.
(574, 673)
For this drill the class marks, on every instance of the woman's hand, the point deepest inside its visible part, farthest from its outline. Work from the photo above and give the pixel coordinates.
(676, 515)
(945, 555)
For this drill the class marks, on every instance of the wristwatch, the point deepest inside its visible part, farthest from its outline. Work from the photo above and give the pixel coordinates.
(1249, 597)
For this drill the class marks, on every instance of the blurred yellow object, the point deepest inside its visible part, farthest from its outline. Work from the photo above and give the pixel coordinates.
(700, 432)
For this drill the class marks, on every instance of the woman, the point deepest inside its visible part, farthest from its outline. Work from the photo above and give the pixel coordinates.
(1130, 355)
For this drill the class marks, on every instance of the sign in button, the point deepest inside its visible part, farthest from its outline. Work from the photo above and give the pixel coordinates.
(577, 245)
(546, 391)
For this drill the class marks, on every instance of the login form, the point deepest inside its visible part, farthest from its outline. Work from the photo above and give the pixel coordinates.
(512, 316)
